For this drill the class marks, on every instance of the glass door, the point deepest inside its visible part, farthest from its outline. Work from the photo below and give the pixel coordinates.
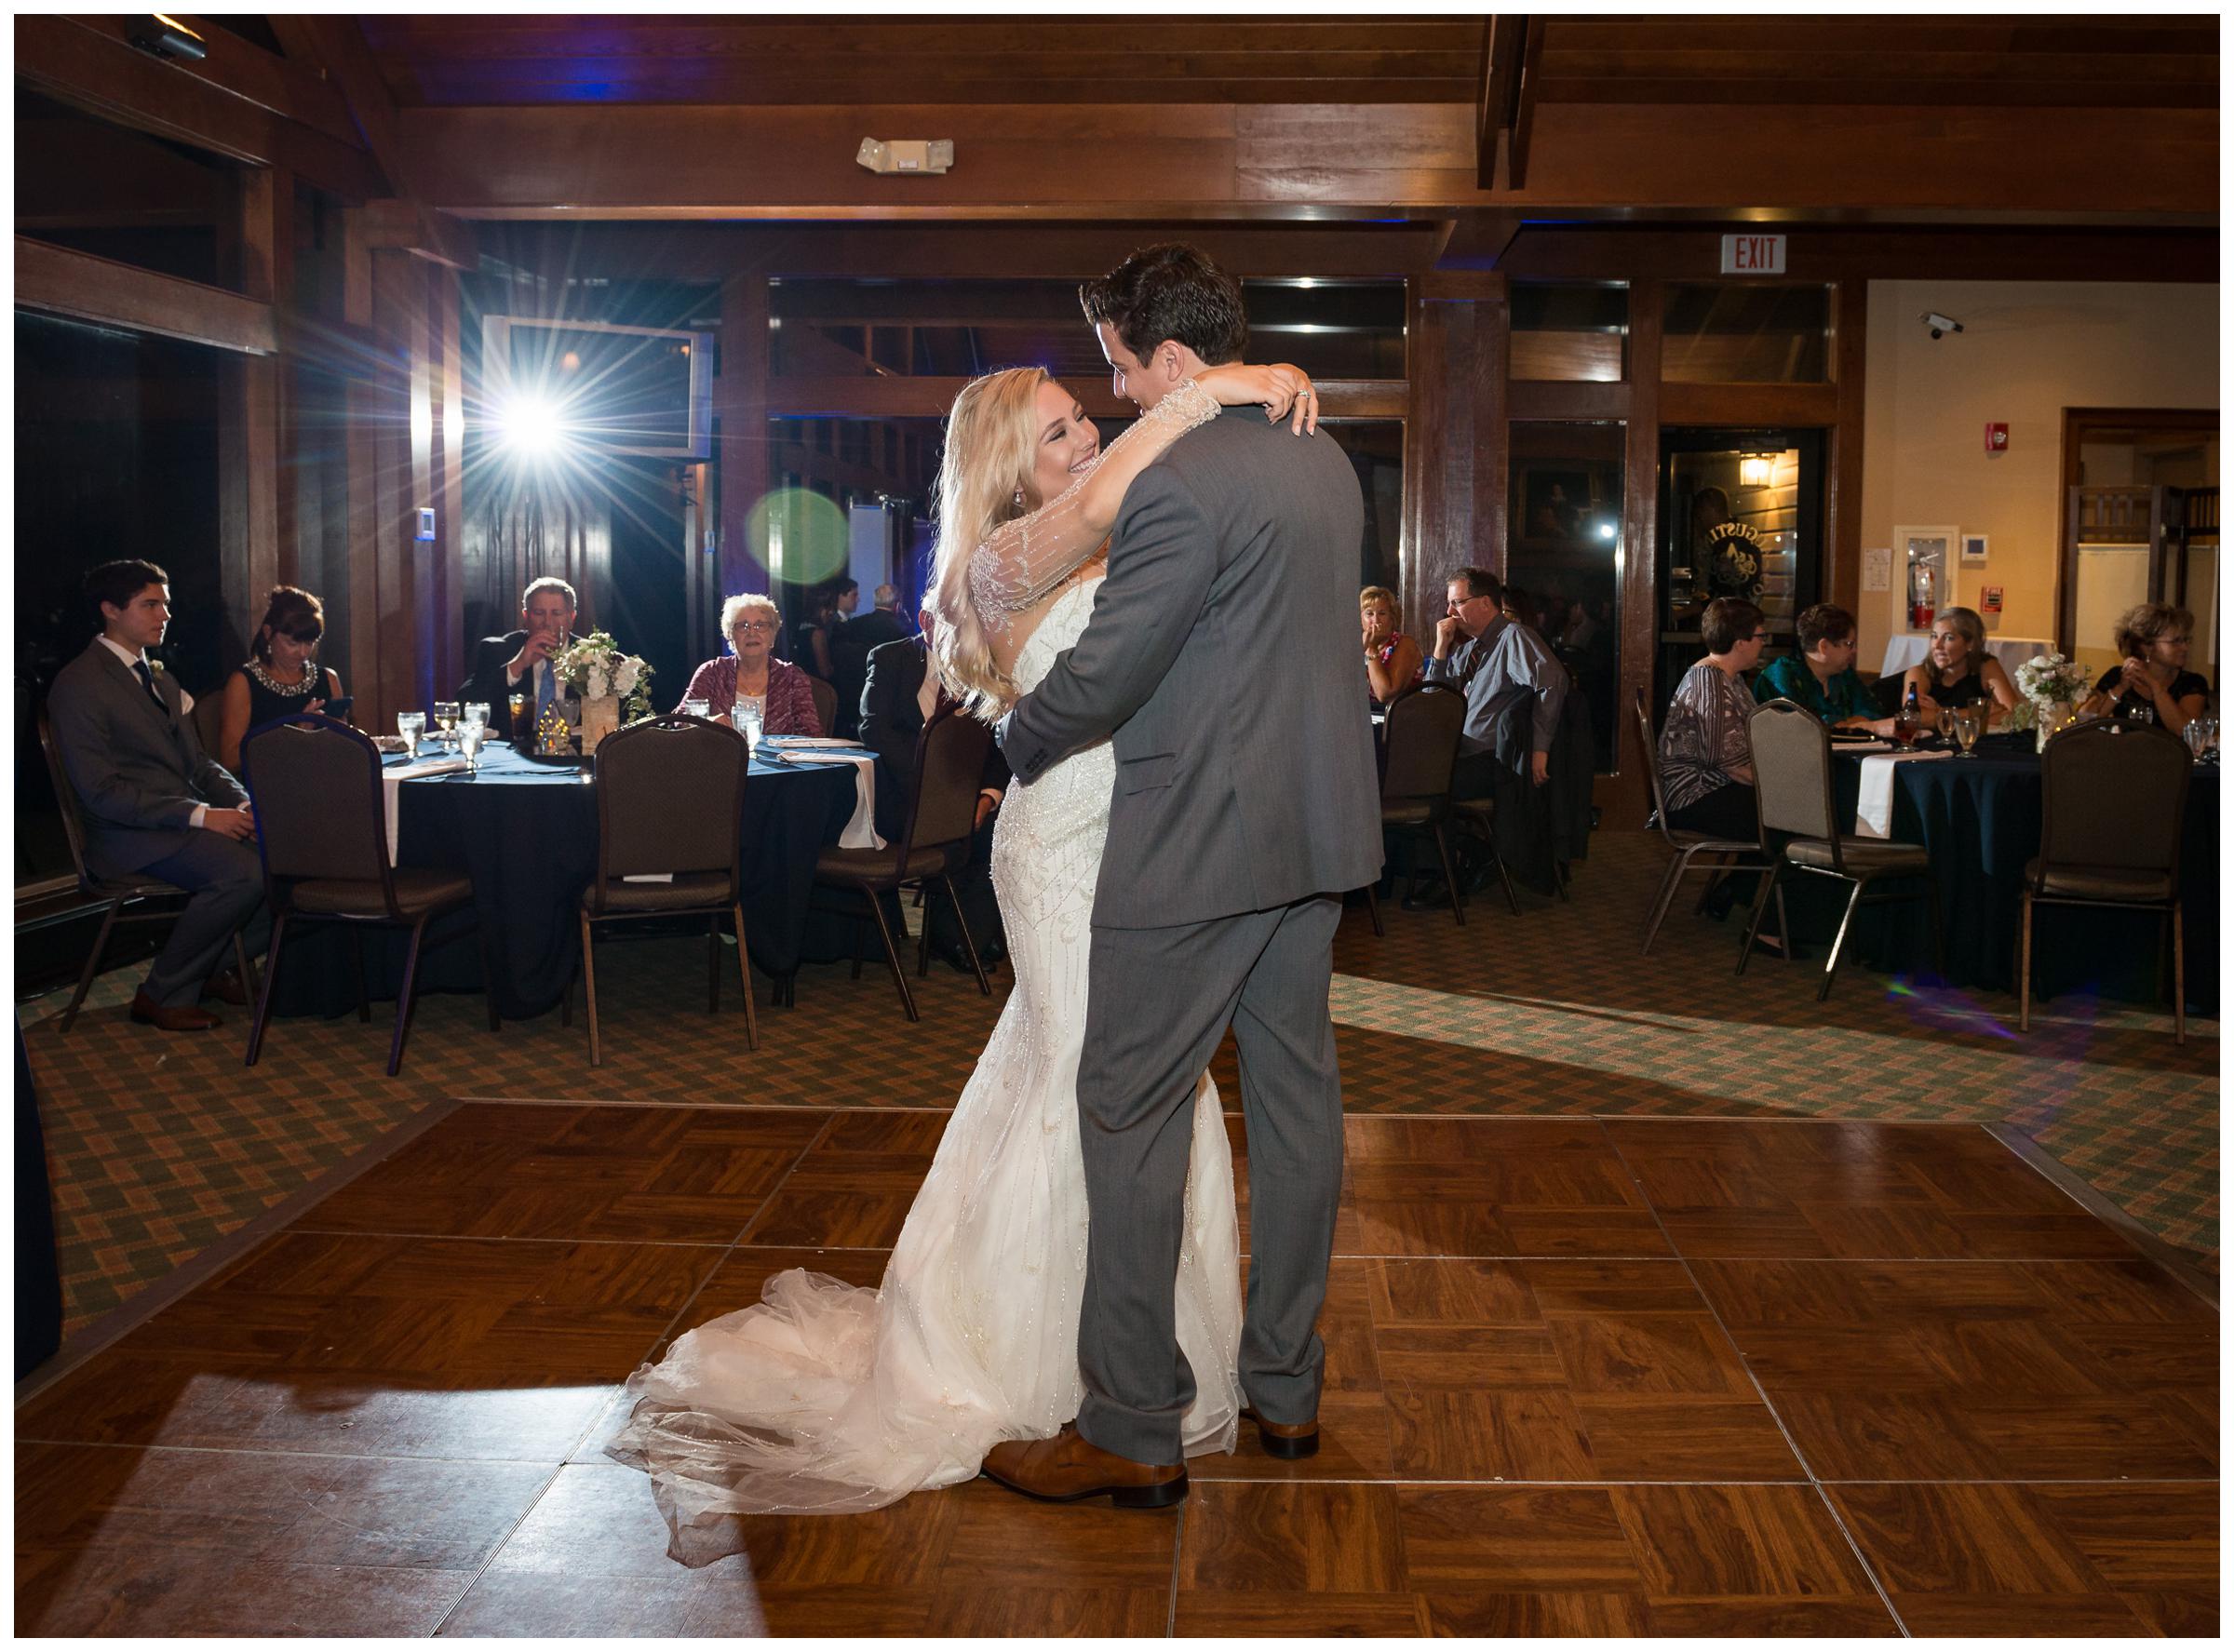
(1741, 514)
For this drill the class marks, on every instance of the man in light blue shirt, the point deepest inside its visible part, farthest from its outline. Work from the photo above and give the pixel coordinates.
(1494, 659)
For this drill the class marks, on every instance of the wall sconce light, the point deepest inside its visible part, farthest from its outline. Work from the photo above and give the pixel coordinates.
(166, 37)
(1756, 470)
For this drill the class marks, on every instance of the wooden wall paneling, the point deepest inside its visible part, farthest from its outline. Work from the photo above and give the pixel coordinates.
(1425, 345)
(1525, 95)
(1626, 798)
(60, 281)
(247, 466)
(239, 68)
(1842, 500)
(1836, 252)
(1488, 529)
(741, 406)
(447, 477)
(405, 596)
(361, 399)
(99, 74)
(356, 268)
(1743, 404)
(335, 46)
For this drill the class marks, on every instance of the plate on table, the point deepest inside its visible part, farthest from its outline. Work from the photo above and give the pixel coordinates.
(1843, 736)
(571, 760)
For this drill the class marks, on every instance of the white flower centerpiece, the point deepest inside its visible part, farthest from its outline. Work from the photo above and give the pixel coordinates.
(612, 684)
(2051, 686)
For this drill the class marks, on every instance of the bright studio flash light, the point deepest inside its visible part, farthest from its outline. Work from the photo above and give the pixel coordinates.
(531, 427)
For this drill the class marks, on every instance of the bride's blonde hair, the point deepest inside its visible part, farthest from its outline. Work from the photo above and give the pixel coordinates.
(986, 470)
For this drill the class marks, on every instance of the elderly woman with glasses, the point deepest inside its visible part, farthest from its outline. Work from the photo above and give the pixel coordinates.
(749, 672)
(1706, 744)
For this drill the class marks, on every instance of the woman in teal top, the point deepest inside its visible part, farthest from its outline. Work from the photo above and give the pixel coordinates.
(1822, 676)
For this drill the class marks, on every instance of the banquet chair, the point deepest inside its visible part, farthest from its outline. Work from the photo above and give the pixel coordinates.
(1420, 744)
(1792, 776)
(670, 815)
(826, 703)
(941, 812)
(1688, 845)
(321, 828)
(2113, 797)
(116, 892)
(208, 719)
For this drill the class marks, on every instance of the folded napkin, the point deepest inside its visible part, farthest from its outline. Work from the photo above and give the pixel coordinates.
(860, 831)
(1873, 812)
(391, 781)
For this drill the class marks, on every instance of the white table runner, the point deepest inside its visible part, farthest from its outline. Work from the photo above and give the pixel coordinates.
(1873, 813)
(861, 830)
(391, 783)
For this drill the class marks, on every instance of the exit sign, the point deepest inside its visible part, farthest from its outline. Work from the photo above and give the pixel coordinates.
(1753, 255)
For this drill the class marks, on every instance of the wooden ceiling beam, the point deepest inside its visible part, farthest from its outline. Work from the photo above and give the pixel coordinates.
(420, 230)
(1523, 106)
(97, 72)
(334, 46)
(57, 281)
(1115, 164)
(1830, 252)
(244, 69)
(1504, 39)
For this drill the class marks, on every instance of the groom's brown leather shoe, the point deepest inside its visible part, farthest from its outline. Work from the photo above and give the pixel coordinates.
(177, 1018)
(1288, 1440)
(1069, 1469)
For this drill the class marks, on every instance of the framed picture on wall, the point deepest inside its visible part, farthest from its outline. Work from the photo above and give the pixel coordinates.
(1973, 548)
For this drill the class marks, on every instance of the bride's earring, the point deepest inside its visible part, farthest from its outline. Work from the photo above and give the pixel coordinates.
(1019, 499)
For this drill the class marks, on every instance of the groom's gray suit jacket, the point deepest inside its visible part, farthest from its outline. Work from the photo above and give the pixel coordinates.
(1222, 656)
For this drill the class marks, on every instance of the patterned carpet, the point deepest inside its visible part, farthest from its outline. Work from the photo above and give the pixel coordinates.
(161, 1145)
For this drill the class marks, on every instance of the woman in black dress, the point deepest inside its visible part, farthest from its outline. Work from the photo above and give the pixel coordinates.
(2154, 677)
(1960, 672)
(281, 679)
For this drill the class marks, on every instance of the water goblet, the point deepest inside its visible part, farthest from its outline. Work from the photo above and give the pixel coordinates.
(471, 734)
(2201, 735)
(411, 725)
(476, 711)
(698, 707)
(748, 717)
(446, 715)
(1969, 722)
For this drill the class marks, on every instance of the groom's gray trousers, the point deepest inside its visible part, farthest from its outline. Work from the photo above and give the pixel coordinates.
(1157, 1004)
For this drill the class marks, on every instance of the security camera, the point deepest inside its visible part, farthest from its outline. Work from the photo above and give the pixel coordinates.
(1940, 324)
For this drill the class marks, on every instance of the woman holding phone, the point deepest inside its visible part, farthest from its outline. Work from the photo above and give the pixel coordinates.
(281, 679)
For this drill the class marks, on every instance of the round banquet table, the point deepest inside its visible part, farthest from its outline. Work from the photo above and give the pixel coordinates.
(526, 833)
(1980, 819)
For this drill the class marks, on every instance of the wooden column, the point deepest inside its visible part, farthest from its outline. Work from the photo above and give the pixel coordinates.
(1626, 801)
(256, 250)
(1455, 464)
(741, 403)
(1842, 494)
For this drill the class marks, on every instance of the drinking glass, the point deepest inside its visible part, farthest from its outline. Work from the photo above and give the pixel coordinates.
(2145, 714)
(519, 710)
(696, 708)
(411, 725)
(1969, 722)
(446, 715)
(2201, 735)
(476, 711)
(471, 734)
(747, 717)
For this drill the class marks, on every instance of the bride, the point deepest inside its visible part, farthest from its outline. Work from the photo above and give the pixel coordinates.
(830, 1398)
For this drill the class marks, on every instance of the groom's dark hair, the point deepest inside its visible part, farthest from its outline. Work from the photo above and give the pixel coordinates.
(1171, 291)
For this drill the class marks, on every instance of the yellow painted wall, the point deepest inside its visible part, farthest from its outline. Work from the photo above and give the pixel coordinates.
(2027, 351)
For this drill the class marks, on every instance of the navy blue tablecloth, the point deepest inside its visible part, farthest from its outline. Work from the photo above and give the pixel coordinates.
(1980, 818)
(526, 833)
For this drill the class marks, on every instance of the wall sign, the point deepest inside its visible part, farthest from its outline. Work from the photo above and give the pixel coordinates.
(1754, 255)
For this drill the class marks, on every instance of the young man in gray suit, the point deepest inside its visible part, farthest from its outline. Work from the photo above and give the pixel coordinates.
(1221, 664)
(153, 803)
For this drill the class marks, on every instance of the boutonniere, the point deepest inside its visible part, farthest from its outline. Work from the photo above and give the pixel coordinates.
(154, 664)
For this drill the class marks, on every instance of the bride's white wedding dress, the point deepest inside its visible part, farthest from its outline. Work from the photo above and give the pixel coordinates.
(828, 1398)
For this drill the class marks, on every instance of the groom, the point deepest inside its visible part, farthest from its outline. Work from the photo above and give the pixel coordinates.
(1221, 664)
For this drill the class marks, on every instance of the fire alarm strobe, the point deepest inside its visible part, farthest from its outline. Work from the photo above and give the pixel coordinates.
(1997, 438)
(932, 155)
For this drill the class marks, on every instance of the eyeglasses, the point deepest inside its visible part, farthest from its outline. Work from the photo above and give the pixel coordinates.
(754, 625)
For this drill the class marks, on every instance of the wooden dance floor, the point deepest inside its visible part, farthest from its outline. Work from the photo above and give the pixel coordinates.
(1585, 1376)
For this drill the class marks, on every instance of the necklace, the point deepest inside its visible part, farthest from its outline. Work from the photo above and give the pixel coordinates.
(255, 669)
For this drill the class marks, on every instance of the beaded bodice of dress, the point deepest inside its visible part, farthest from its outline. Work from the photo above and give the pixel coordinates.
(1048, 840)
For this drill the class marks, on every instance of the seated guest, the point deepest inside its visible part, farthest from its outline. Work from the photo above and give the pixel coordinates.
(2153, 675)
(850, 648)
(520, 663)
(153, 804)
(1495, 660)
(899, 697)
(1960, 672)
(749, 672)
(281, 679)
(1706, 744)
(1822, 676)
(1392, 660)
